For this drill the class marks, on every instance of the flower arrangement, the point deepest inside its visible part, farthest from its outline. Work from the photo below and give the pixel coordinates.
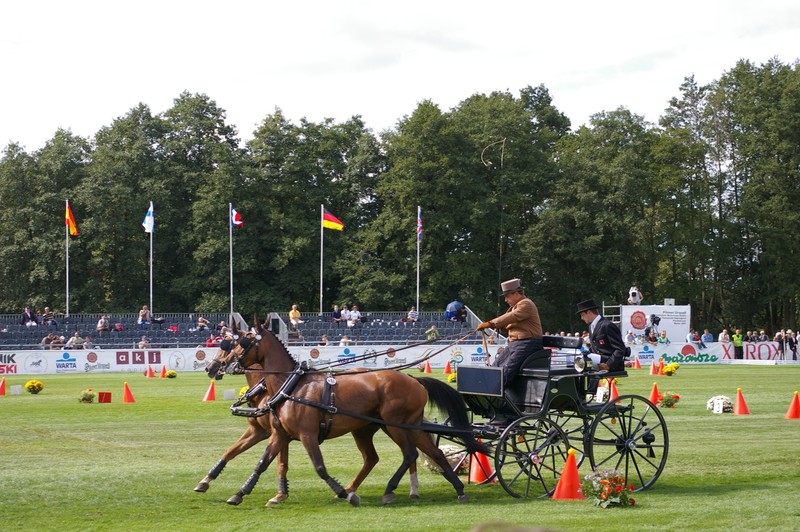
(452, 377)
(34, 386)
(727, 403)
(608, 488)
(86, 396)
(670, 369)
(171, 374)
(668, 400)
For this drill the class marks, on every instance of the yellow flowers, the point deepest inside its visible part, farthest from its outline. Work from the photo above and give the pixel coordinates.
(33, 386)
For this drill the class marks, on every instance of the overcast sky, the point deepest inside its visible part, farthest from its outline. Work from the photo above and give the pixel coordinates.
(79, 64)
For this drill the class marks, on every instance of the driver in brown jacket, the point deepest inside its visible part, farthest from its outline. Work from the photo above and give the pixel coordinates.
(522, 326)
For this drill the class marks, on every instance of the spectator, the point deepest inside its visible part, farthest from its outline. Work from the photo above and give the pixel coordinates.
(779, 339)
(707, 337)
(88, 344)
(29, 318)
(724, 336)
(336, 315)
(652, 338)
(738, 345)
(75, 342)
(662, 338)
(345, 341)
(144, 343)
(49, 318)
(323, 341)
(461, 314)
(47, 340)
(451, 308)
(145, 318)
(222, 329)
(58, 342)
(791, 341)
(432, 334)
(629, 338)
(763, 337)
(103, 325)
(694, 339)
(294, 318)
(212, 341)
(413, 315)
(749, 336)
(355, 317)
(202, 323)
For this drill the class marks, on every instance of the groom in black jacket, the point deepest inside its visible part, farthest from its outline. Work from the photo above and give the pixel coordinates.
(605, 340)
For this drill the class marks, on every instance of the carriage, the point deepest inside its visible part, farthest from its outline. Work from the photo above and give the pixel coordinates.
(532, 422)
(528, 425)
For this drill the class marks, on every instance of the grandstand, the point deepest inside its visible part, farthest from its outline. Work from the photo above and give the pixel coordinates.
(179, 330)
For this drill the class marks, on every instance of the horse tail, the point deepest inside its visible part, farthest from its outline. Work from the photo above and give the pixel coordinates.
(444, 397)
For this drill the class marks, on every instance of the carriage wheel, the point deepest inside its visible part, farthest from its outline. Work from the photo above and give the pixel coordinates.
(630, 435)
(530, 456)
(575, 426)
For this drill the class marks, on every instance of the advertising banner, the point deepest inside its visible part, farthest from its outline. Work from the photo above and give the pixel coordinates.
(674, 319)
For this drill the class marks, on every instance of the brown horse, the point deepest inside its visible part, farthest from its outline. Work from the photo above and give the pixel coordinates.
(258, 430)
(389, 397)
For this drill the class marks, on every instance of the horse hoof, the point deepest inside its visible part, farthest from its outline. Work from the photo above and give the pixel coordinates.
(277, 499)
(354, 499)
(201, 487)
(413, 496)
(389, 498)
(463, 498)
(236, 500)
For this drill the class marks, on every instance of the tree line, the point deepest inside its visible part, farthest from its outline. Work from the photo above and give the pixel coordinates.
(701, 207)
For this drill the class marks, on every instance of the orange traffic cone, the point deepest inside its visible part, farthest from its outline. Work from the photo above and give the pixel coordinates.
(163, 372)
(653, 368)
(740, 409)
(660, 366)
(613, 393)
(127, 396)
(447, 369)
(3, 386)
(427, 367)
(654, 394)
(149, 372)
(569, 485)
(480, 469)
(794, 408)
(636, 363)
(210, 394)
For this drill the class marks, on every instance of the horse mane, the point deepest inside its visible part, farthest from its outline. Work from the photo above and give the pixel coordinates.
(262, 329)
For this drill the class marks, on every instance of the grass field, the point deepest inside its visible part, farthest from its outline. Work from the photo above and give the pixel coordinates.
(71, 466)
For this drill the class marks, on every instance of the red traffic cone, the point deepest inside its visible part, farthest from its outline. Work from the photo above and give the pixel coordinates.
(660, 366)
(127, 396)
(149, 372)
(653, 368)
(794, 408)
(163, 372)
(3, 386)
(636, 363)
(740, 409)
(654, 394)
(447, 369)
(427, 367)
(480, 470)
(210, 394)
(612, 393)
(569, 485)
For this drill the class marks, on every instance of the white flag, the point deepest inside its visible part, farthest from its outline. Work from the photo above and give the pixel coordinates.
(149, 220)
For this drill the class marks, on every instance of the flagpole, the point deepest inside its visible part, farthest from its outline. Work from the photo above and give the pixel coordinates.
(66, 238)
(419, 237)
(321, 248)
(151, 271)
(230, 240)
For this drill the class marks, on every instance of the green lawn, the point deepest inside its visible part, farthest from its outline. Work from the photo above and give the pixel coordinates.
(71, 466)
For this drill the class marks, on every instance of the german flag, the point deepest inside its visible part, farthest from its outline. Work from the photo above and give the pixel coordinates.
(69, 220)
(330, 221)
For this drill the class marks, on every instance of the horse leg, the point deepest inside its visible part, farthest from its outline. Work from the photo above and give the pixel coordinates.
(251, 436)
(311, 444)
(363, 438)
(283, 482)
(423, 441)
(400, 437)
(276, 445)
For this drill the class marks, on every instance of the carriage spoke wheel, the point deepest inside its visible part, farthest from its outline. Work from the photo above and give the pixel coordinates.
(530, 456)
(630, 435)
(575, 426)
